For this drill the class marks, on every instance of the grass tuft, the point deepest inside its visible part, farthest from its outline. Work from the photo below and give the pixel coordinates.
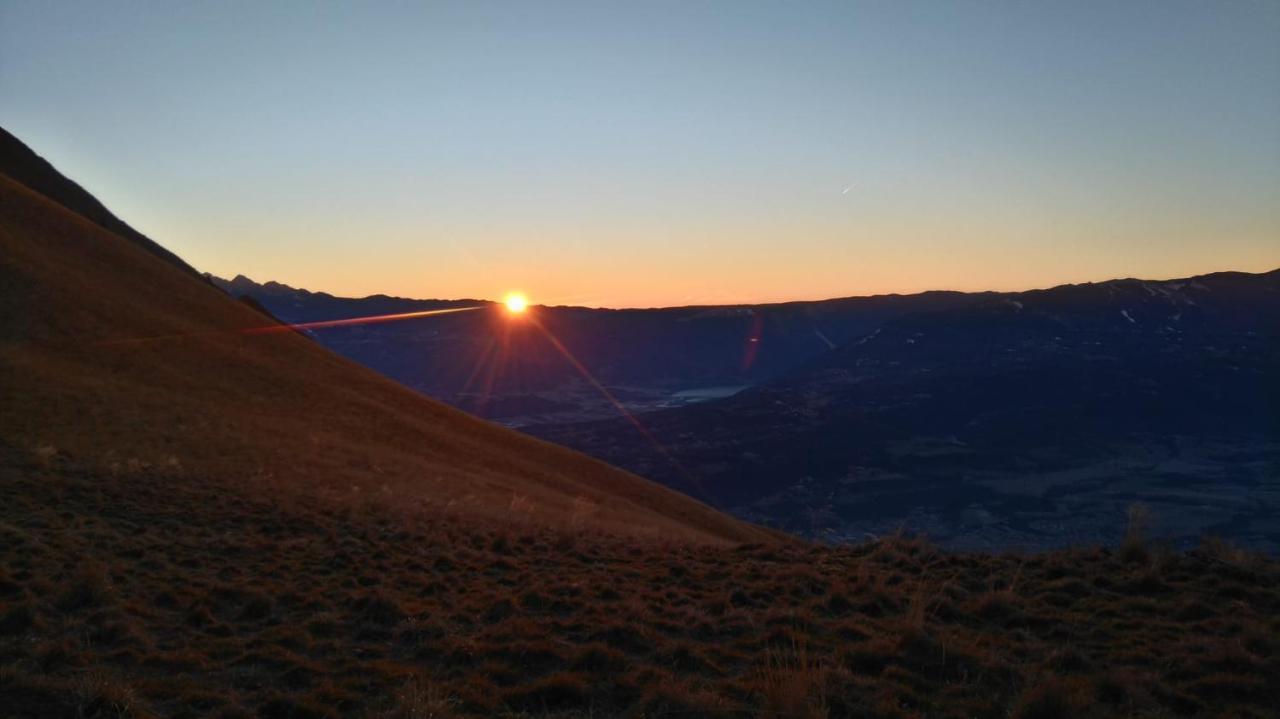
(1133, 547)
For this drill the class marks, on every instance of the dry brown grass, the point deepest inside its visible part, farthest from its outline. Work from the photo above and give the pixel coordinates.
(160, 595)
(1134, 546)
(419, 699)
(792, 683)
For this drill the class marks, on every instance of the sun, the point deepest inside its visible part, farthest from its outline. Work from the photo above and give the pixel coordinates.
(516, 303)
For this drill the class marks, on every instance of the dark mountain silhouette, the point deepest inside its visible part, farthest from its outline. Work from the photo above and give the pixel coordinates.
(1018, 419)
(644, 356)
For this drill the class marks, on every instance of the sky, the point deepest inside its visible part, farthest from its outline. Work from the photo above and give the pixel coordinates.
(663, 153)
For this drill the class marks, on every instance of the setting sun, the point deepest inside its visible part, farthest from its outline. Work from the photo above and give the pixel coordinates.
(516, 303)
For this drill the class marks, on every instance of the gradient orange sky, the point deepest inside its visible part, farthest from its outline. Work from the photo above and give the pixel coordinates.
(668, 153)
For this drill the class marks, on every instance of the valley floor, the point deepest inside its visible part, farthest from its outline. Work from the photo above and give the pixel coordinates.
(150, 595)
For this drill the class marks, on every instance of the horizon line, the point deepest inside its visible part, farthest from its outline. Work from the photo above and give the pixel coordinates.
(766, 303)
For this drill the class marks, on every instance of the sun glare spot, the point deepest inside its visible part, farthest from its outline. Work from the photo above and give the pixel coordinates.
(516, 303)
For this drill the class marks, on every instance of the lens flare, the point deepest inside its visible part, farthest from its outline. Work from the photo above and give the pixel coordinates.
(293, 327)
(516, 303)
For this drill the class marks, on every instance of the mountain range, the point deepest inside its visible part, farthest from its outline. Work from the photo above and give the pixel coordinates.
(648, 358)
(1026, 419)
(993, 420)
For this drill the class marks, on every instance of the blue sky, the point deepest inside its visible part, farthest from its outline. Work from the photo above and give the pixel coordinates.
(634, 154)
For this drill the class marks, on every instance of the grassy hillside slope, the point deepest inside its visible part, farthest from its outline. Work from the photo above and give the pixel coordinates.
(154, 596)
(206, 401)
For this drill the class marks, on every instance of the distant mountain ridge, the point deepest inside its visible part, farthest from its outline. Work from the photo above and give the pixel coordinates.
(294, 304)
(645, 356)
(1098, 394)
(936, 411)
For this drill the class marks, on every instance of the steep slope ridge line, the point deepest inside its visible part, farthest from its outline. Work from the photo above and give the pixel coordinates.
(24, 165)
(272, 409)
